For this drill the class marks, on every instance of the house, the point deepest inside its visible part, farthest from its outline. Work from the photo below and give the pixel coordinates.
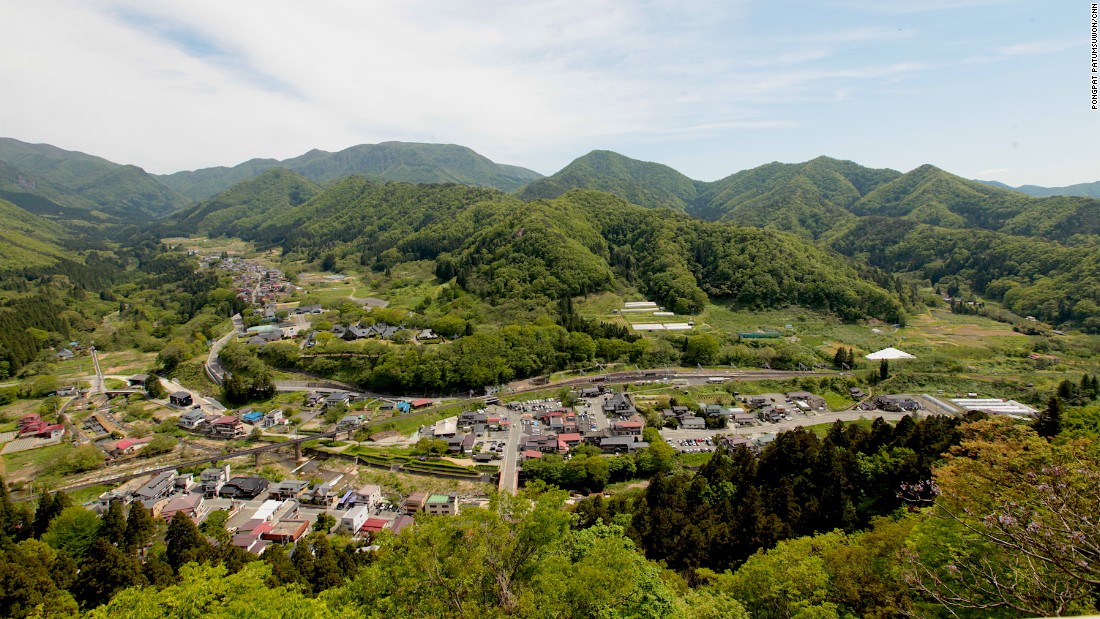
(622, 444)
(273, 418)
(568, 441)
(323, 495)
(414, 503)
(252, 417)
(460, 443)
(157, 488)
(733, 442)
(348, 422)
(812, 402)
(243, 487)
(41, 429)
(274, 510)
(286, 531)
(353, 519)
(369, 495)
(590, 392)
(227, 426)
(400, 523)
(420, 403)
(545, 443)
(192, 505)
(373, 526)
(626, 428)
(338, 398)
(137, 380)
(442, 504)
(28, 420)
(192, 419)
(856, 393)
(65, 354)
(181, 399)
(716, 410)
(445, 427)
(744, 419)
(250, 543)
(314, 399)
(289, 489)
(693, 423)
(129, 445)
(213, 479)
(897, 403)
(531, 454)
(619, 405)
(426, 335)
(482, 458)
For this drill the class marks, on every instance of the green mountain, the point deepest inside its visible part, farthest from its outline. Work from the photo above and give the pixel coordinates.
(502, 249)
(807, 198)
(46, 199)
(248, 204)
(395, 161)
(122, 191)
(27, 240)
(930, 195)
(1032, 276)
(1081, 190)
(643, 183)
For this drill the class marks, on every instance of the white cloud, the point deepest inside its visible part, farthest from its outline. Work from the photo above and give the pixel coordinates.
(174, 85)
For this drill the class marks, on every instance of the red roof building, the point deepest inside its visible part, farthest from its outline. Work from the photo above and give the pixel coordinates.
(531, 453)
(286, 531)
(420, 403)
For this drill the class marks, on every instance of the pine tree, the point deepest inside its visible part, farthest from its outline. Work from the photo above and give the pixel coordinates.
(884, 370)
(140, 527)
(1049, 422)
(105, 571)
(113, 526)
(851, 359)
(185, 544)
(49, 506)
(840, 358)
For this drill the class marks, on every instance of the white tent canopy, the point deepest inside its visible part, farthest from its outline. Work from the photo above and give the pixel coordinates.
(889, 353)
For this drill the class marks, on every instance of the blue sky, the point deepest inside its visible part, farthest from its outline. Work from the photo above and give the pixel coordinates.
(982, 88)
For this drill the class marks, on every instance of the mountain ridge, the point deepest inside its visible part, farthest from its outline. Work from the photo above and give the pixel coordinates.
(394, 161)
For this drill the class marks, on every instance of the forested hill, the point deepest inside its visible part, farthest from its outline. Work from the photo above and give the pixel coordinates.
(820, 197)
(1083, 190)
(638, 182)
(395, 161)
(77, 180)
(248, 204)
(26, 240)
(500, 248)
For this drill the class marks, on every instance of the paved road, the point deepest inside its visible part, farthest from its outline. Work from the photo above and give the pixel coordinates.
(97, 381)
(509, 468)
(213, 364)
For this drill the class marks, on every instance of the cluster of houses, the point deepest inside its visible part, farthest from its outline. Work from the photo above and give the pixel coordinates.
(774, 410)
(381, 330)
(253, 281)
(229, 426)
(691, 419)
(281, 516)
(33, 426)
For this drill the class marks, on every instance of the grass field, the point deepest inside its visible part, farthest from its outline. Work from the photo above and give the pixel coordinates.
(822, 429)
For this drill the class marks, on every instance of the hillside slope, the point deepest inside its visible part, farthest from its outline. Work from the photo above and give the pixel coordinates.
(122, 191)
(248, 204)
